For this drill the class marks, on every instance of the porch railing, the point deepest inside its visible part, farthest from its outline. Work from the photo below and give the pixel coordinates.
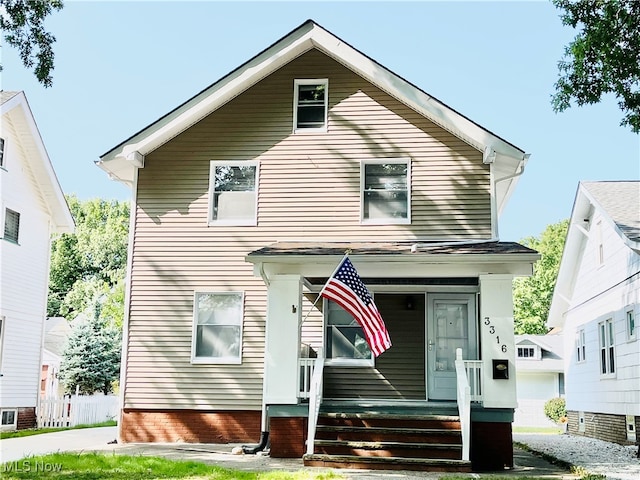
(464, 403)
(474, 377)
(315, 397)
(306, 372)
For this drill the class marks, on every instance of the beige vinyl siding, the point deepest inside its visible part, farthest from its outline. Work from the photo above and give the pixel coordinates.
(309, 189)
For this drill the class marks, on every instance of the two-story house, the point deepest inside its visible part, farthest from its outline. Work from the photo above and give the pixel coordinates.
(32, 208)
(596, 302)
(245, 199)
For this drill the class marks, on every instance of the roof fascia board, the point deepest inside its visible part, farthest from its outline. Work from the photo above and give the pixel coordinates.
(575, 243)
(61, 218)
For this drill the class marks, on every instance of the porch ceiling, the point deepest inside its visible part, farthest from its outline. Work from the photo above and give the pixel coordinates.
(397, 259)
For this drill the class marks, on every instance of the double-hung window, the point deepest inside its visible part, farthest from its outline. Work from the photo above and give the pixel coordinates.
(345, 340)
(581, 348)
(11, 225)
(1, 152)
(386, 195)
(607, 347)
(217, 327)
(631, 324)
(311, 102)
(233, 193)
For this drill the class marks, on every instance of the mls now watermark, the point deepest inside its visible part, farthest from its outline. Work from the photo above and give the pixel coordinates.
(30, 466)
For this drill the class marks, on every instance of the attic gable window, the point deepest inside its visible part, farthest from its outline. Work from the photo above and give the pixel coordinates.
(1, 152)
(528, 353)
(311, 100)
(386, 194)
(233, 188)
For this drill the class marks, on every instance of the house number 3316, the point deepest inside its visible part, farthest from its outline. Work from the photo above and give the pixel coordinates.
(492, 331)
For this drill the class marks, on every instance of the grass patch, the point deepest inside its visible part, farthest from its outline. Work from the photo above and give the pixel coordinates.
(38, 431)
(96, 466)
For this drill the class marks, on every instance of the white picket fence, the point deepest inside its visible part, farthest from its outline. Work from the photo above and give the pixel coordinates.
(73, 410)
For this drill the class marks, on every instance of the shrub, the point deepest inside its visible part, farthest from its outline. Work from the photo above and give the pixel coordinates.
(555, 409)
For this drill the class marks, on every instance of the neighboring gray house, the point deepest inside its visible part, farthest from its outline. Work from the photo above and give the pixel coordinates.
(539, 377)
(596, 302)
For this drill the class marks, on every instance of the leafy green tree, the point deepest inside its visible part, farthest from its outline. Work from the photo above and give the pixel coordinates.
(22, 24)
(91, 359)
(532, 295)
(89, 265)
(603, 57)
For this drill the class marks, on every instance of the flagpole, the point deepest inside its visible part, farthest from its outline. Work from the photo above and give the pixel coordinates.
(346, 255)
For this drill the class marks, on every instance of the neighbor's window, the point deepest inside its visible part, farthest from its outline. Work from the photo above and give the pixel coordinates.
(1, 152)
(527, 352)
(580, 346)
(345, 340)
(631, 325)
(233, 193)
(600, 244)
(9, 419)
(607, 349)
(217, 327)
(386, 196)
(311, 102)
(11, 225)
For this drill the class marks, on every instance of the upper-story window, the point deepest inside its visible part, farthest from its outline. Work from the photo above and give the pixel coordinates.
(11, 225)
(607, 347)
(528, 353)
(631, 324)
(581, 348)
(233, 188)
(600, 244)
(386, 195)
(311, 100)
(1, 152)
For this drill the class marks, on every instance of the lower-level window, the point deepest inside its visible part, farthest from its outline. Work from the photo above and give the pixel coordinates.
(217, 327)
(345, 340)
(9, 419)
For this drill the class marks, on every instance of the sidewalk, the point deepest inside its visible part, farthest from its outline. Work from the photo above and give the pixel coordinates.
(97, 439)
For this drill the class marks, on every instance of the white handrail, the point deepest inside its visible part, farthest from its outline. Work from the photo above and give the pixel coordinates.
(464, 403)
(306, 371)
(474, 377)
(315, 397)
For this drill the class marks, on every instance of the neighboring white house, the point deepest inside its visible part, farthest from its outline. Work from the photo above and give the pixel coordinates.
(597, 303)
(32, 208)
(539, 377)
(56, 333)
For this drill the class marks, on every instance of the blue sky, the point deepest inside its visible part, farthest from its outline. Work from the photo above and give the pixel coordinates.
(120, 66)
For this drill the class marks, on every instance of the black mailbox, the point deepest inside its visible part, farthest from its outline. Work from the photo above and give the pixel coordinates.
(500, 369)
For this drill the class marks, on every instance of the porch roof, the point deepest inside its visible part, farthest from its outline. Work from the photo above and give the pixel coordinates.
(403, 259)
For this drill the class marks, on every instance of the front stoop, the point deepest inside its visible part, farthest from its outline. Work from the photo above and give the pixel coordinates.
(388, 442)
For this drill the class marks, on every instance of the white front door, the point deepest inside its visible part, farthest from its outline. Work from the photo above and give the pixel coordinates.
(451, 324)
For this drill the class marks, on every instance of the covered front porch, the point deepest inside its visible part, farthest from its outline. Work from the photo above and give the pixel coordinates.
(448, 310)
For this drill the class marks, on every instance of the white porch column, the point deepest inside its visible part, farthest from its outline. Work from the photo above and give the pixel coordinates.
(497, 339)
(282, 339)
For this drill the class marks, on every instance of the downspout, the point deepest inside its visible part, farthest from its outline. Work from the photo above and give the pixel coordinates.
(264, 428)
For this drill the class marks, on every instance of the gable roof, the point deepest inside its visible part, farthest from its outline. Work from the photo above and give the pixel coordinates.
(14, 105)
(619, 204)
(121, 161)
(550, 342)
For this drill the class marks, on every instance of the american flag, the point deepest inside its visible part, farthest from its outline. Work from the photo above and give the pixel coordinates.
(346, 289)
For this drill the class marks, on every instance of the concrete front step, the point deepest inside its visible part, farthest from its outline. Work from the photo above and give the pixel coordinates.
(446, 422)
(389, 449)
(390, 434)
(386, 463)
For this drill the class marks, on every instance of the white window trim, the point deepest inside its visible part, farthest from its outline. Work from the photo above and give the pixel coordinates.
(212, 178)
(310, 81)
(341, 362)
(12, 426)
(388, 221)
(631, 337)
(581, 345)
(599, 245)
(3, 149)
(536, 352)
(215, 360)
(3, 219)
(609, 373)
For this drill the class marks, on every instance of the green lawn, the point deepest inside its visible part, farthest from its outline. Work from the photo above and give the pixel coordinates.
(38, 431)
(96, 466)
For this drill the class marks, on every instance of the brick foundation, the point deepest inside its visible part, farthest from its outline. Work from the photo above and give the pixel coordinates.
(190, 426)
(603, 426)
(27, 418)
(491, 446)
(287, 436)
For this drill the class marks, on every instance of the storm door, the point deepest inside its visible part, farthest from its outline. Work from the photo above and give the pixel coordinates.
(451, 324)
